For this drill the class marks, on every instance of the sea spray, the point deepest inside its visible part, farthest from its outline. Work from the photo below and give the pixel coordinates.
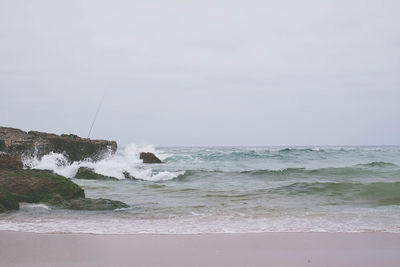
(116, 165)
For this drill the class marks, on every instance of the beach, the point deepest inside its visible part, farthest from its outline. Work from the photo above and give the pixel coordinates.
(199, 133)
(258, 249)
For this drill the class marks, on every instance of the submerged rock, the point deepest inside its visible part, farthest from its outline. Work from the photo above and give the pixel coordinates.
(149, 157)
(36, 186)
(95, 204)
(127, 175)
(88, 173)
(7, 201)
(17, 142)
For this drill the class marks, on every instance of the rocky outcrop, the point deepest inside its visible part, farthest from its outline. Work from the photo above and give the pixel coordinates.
(11, 162)
(17, 142)
(95, 204)
(7, 201)
(90, 174)
(149, 157)
(40, 186)
(36, 186)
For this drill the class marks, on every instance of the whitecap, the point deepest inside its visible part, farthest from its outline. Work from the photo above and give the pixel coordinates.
(125, 160)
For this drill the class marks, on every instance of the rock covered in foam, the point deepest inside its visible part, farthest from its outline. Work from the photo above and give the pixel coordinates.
(18, 142)
(90, 174)
(149, 157)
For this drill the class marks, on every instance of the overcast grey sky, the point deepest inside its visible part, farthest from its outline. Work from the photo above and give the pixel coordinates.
(204, 72)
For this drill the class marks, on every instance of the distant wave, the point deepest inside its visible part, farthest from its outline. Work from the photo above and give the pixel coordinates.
(375, 193)
(371, 169)
(378, 193)
(359, 169)
(241, 155)
(237, 154)
(315, 149)
(378, 164)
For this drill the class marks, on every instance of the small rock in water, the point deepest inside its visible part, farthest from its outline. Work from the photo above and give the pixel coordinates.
(127, 175)
(149, 158)
(88, 173)
(95, 204)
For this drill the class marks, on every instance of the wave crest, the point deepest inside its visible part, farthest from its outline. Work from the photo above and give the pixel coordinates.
(116, 165)
(378, 193)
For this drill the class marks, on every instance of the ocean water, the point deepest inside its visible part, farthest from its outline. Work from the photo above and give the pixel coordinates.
(230, 190)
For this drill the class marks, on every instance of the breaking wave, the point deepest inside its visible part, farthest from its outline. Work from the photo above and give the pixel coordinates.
(373, 169)
(246, 154)
(126, 160)
(356, 170)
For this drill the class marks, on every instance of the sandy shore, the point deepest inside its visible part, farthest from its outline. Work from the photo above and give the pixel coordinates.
(266, 249)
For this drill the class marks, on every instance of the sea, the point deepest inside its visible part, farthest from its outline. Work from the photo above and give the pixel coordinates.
(229, 190)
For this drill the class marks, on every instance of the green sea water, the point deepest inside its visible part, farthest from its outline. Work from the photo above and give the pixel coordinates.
(230, 190)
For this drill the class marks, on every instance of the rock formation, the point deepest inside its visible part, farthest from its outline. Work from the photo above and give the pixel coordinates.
(11, 162)
(17, 142)
(36, 186)
(43, 186)
(90, 174)
(149, 157)
(7, 201)
(95, 204)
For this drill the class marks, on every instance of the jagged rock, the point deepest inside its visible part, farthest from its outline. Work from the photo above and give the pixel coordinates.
(7, 201)
(88, 173)
(127, 175)
(33, 186)
(95, 204)
(149, 157)
(18, 142)
(38, 186)
(12, 162)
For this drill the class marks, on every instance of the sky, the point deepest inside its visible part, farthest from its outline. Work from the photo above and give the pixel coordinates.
(204, 73)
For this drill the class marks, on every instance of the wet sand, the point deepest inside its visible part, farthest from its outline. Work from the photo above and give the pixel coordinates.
(261, 249)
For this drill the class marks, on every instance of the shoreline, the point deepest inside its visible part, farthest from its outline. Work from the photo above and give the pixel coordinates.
(197, 234)
(247, 249)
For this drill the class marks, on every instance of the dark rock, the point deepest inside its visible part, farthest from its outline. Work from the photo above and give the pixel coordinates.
(149, 157)
(35, 186)
(95, 204)
(88, 173)
(127, 175)
(12, 162)
(7, 201)
(75, 148)
(2, 145)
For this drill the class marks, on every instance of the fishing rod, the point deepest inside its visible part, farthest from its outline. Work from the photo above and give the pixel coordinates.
(95, 115)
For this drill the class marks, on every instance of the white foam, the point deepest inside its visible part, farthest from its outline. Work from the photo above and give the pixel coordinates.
(126, 160)
(195, 224)
(33, 205)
